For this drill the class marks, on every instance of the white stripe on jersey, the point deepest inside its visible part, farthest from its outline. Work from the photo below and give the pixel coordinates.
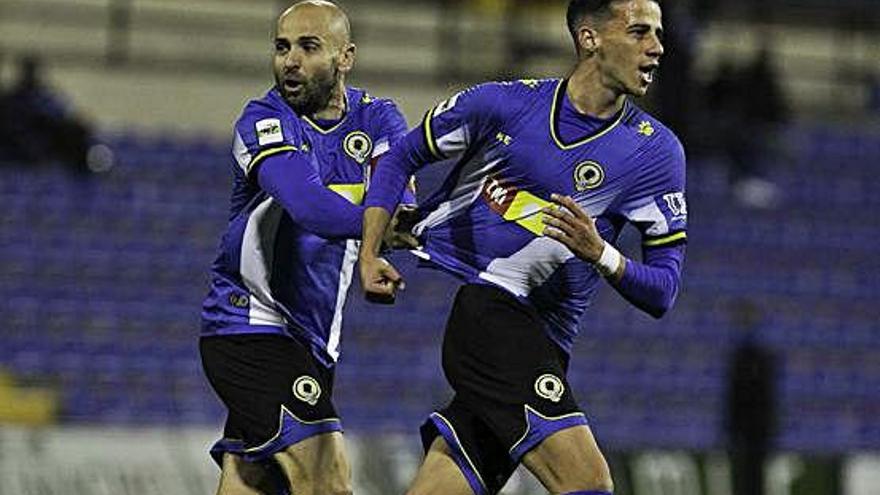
(650, 214)
(529, 267)
(464, 193)
(257, 254)
(345, 274)
(381, 148)
(453, 143)
(240, 152)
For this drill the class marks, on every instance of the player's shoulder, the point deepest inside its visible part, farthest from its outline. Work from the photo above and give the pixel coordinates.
(513, 90)
(360, 100)
(269, 103)
(267, 107)
(652, 131)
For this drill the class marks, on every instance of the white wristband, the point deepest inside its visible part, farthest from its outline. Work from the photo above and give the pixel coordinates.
(609, 262)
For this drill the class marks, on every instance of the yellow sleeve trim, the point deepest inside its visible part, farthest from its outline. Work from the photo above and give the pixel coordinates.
(266, 154)
(525, 210)
(666, 240)
(351, 192)
(429, 136)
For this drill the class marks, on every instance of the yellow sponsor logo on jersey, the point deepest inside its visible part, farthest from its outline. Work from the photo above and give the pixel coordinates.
(514, 205)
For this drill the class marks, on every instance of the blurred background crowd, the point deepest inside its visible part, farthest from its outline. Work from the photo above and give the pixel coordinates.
(115, 127)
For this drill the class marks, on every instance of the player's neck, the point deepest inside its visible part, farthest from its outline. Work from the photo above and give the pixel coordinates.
(590, 96)
(336, 107)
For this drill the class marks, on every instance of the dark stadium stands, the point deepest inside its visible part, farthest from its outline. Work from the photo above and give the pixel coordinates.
(102, 277)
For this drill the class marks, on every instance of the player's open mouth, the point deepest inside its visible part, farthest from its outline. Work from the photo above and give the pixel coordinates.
(293, 86)
(648, 71)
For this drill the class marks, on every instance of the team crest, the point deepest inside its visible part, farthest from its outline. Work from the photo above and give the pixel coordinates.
(307, 389)
(549, 387)
(358, 145)
(588, 175)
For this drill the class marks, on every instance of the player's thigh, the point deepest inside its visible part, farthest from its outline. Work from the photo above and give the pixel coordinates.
(569, 461)
(239, 477)
(317, 465)
(439, 474)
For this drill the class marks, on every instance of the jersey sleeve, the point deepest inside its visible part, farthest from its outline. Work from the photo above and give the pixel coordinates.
(658, 206)
(456, 123)
(263, 131)
(390, 127)
(445, 133)
(390, 130)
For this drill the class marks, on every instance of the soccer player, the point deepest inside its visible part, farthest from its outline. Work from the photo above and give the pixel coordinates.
(544, 174)
(271, 321)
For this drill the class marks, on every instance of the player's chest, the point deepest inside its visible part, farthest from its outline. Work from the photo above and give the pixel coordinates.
(529, 157)
(342, 153)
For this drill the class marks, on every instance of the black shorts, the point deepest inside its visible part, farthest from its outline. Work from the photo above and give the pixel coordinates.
(276, 393)
(510, 386)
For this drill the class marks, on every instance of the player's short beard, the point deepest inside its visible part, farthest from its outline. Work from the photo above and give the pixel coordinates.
(316, 92)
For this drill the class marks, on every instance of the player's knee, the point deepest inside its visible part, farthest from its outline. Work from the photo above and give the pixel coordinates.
(331, 477)
(322, 486)
(333, 488)
(592, 480)
(253, 475)
(239, 474)
(600, 479)
(600, 482)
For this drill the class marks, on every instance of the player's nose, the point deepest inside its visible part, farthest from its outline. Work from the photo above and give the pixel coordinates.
(656, 49)
(293, 60)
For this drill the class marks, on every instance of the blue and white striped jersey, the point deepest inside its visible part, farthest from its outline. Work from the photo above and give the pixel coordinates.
(507, 156)
(272, 275)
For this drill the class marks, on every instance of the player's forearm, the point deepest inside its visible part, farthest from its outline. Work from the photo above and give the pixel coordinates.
(375, 223)
(652, 286)
(293, 183)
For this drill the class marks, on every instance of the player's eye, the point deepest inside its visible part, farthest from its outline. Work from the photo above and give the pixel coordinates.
(310, 47)
(281, 46)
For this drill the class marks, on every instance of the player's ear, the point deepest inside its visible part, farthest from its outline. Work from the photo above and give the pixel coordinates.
(588, 41)
(346, 59)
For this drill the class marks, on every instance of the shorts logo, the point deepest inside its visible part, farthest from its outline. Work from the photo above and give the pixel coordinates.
(239, 300)
(307, 389)
(269, 131)
(588, 175)
(549, 387)
(358, 145)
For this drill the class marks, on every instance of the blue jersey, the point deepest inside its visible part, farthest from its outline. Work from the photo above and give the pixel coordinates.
(507, 157)
(271, 274)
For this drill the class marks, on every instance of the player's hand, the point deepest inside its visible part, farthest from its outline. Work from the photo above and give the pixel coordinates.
(399, 235)
(380, 279)
(569, 224)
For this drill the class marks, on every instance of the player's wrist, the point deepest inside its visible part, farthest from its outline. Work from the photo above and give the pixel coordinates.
(609, 261)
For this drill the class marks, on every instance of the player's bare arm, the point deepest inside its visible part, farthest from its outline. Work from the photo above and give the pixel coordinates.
(569, 224)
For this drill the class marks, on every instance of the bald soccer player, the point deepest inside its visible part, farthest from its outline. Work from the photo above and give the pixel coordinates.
(271, 322)
(544, 175)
